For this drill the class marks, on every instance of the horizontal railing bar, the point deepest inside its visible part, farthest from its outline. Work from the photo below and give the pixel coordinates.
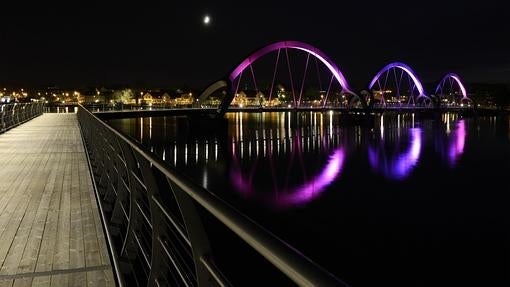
(144, 253)
(215, 273)
(170, 218)
(138, 180)
(168, 254)
(126, 215)
(147, 220)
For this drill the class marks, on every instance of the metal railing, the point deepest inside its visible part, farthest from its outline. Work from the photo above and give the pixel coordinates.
(154, 219)
(12, 115)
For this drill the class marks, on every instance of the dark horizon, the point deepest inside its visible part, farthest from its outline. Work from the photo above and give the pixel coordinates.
(167, 45)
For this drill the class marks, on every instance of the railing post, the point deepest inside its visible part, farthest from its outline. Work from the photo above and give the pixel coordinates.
(156, 220)
(2, 118)
(132, 166)
(198, 237)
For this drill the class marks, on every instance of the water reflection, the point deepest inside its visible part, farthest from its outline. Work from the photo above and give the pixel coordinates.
(287, 159)
(395, 151)
(399, 165)
(457, 141)
(284, 165)
(283, 192)
(450, 138)
(311, 189)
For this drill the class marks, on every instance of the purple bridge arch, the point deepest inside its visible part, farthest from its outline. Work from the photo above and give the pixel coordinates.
(405, 68)
(228, 83)
(450, 78)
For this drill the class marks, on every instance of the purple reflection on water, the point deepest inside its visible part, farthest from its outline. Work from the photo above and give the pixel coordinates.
(241, 183)
(401, 166)
(456, 147)
(302, 194)
(313, 188)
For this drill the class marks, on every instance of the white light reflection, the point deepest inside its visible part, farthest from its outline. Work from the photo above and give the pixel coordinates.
(382, 127)
(288, 120)
(205, 180)
(141, 129)
(398, 125)
(175, 154)
(331, 123)
(206, 151)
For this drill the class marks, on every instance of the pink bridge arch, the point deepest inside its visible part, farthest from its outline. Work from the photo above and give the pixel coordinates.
(292, 45)
(332, 67)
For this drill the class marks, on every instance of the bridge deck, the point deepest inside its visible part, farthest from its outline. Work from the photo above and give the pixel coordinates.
(50, 229)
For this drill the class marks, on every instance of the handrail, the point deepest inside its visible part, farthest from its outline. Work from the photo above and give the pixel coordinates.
(12, 115)
(288, 260)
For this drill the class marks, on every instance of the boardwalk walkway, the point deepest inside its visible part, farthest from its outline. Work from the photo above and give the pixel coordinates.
(50, 229)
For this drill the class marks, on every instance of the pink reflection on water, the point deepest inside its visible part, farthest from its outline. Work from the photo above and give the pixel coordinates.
(401, 166)
(314, 188)
(300, 195)
(456, 147)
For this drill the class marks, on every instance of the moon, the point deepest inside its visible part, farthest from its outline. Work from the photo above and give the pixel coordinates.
(207, 20)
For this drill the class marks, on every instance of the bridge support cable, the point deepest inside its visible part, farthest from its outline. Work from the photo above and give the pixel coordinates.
(304, 78)
(274, 75)
(290, 76)
(327, 93)
(254, 80)
(318, 73)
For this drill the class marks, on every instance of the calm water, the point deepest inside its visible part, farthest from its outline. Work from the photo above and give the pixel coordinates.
(396, 200)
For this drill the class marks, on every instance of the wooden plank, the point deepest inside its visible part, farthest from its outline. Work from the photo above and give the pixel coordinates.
(12, 199)
(25, 197)
(78, 279)
(46, 250)
(61, 280)
(61, 255)
(29, 260)
(49, 220)
(42, 281)
(11, 262)
(98, 278)
(23, 282)
(6, 283)
(77, 248)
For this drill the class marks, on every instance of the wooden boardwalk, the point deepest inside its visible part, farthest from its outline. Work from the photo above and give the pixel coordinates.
(50, 227)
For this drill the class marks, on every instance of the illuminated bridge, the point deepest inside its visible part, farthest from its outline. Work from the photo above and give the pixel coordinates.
(297, 75)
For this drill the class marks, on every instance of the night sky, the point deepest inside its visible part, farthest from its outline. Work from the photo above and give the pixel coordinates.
(166, 44)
